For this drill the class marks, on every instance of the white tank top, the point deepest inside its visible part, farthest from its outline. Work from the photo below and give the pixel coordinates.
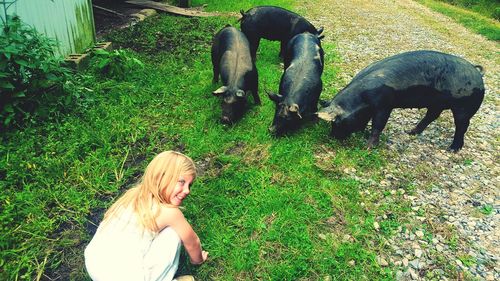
(122, 249)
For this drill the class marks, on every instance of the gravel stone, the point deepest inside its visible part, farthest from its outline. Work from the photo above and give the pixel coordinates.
(418, 253)
(415, 264)
(450, 188)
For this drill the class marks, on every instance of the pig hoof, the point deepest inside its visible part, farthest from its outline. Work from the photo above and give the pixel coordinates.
(413, 132)
(372, 143)
(453, 149)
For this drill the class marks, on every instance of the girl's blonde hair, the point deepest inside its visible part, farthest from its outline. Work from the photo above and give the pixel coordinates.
(154, 189)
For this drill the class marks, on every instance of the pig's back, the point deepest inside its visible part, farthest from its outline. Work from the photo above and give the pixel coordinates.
(273, 22)
(442, 72)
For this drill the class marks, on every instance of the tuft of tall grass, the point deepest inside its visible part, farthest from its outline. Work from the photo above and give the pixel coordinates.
(471, 16)
(488, 8)
(236, 6)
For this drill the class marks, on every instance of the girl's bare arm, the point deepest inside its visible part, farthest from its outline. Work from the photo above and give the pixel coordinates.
(173, 217)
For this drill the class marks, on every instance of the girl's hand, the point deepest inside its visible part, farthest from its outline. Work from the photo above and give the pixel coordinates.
(204, 255)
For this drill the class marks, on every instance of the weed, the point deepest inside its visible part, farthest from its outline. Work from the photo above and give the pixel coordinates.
(116, 63)
(468, 162)
(467, 260)
(453, 241)
(486, 209)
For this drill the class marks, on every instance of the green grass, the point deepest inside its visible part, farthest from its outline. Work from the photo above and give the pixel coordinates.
(488, 8)
(473, 20)
(265, 208)
(236, 6)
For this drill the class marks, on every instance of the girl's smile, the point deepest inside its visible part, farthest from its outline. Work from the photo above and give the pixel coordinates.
(181, 190)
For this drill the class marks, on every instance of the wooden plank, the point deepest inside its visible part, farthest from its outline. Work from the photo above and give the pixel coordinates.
(108, 10)
(171, 9)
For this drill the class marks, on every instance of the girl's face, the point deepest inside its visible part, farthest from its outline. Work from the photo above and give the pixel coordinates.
(181, 190)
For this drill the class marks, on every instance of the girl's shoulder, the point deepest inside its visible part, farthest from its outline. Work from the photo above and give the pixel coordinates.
(168, 210)
(169, 216)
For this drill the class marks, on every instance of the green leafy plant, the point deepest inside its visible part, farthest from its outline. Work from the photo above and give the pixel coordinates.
(486, 209)
(28, 68)
(467, 260)
(116, 63)
(468, 162)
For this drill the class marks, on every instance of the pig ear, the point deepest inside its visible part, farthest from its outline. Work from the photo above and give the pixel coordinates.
(274, 97)
(320, 30)
(220, 91)
(240, 93)
(321, 37)
(295, 109)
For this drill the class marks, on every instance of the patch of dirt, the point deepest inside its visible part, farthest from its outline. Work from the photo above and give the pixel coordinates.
(209, 166)
(110, 15)
(106, 21)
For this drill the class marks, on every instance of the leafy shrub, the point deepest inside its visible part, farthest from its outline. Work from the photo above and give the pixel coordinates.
(28, 68)
(117, 64)
(496, 13)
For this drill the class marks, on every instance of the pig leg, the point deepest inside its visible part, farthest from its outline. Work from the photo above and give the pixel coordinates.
(256, 97)
(254, 45)
(378, 123)
(431, 115)
(255, 92)
(252, 84)
(462, 120)
(283, 49)
(216, 73)
(216, 67)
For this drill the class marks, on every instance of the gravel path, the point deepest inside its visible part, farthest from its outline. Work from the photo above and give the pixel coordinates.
(452, 191)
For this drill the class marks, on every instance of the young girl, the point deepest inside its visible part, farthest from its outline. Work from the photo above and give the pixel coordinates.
(141, 233)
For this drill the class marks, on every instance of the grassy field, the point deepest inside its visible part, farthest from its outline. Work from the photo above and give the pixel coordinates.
(265, 208)
(480, 18)
(488, 8)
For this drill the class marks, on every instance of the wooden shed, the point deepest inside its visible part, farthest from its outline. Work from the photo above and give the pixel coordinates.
(70, 22)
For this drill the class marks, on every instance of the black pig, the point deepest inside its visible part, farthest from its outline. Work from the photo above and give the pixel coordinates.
(300, 85)
(273, 23)
(232, 61)
(418, 79)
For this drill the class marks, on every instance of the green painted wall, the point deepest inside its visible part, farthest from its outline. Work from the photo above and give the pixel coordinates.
(71, 22)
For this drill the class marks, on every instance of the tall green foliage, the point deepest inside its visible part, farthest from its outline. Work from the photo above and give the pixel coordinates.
(28, 68)
(117, 63)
